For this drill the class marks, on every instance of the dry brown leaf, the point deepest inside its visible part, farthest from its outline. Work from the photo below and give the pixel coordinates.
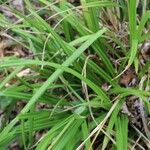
(145, 52)
(128, 77)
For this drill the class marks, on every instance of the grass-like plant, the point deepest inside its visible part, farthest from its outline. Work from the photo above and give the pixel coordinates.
(77, 55)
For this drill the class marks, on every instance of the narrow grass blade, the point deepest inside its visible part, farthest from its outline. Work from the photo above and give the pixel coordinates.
(122, 132)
